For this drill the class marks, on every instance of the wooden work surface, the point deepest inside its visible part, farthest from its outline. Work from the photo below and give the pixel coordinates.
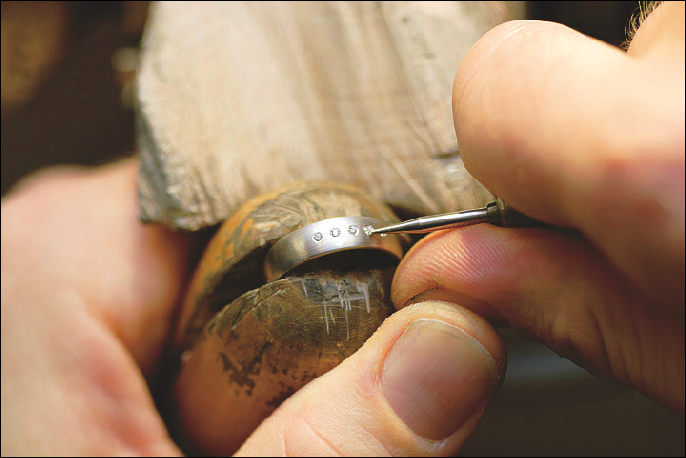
(239, 98)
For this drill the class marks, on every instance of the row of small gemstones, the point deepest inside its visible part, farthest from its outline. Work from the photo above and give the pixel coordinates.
(335, 232)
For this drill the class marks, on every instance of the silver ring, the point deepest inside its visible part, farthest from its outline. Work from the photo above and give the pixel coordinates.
(325, 237)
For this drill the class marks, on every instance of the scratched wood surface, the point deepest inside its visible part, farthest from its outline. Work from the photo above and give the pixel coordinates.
(268, 344)
(238, 98)
(243, 345)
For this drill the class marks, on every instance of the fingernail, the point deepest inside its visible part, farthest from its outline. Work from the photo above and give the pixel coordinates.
(436, 376)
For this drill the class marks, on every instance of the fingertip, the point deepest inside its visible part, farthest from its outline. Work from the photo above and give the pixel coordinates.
(529, 101)
(504, 45)
(419, 386)
(509, 276)
(478, 56)
(559, 125)
(453, 314)
(460, 266)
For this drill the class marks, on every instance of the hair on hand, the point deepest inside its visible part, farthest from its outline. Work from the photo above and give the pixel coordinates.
(639, 15)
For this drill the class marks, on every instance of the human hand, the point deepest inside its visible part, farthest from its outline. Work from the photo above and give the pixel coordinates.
(88, 299)
(72, 366)
(586, 137)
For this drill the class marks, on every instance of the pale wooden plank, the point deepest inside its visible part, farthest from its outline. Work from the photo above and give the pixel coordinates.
(238, 98)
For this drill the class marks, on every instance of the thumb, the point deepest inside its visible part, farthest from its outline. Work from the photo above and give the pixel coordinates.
(418, 386)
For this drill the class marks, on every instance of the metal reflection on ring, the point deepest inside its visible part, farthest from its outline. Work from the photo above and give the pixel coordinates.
(325, 237)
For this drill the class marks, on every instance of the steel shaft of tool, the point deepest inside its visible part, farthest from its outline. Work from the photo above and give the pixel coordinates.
(497, 213)
(437, 222)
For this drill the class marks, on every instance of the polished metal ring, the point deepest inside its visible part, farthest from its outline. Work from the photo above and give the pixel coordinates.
(326, 237)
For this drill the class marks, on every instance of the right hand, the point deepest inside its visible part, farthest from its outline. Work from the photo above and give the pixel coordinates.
(583, 136)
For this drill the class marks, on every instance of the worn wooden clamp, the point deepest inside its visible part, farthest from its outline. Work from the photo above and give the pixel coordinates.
(245, 344)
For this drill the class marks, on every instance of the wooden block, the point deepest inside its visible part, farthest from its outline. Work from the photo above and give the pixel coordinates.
(238, 98)
(244, 346)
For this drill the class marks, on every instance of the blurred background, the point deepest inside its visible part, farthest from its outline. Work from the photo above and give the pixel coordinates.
(67, 94)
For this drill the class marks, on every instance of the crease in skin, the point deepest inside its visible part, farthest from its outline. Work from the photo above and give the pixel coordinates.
(321, 436)
(455, 297)
(452, 258)
(419, 297)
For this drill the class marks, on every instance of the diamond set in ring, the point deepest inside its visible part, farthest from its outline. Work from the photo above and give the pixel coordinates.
(324, 237)
(336, 232)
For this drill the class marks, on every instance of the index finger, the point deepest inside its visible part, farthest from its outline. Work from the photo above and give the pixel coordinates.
(577, 133)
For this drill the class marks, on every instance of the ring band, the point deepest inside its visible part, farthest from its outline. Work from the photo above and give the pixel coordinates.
(325, 237)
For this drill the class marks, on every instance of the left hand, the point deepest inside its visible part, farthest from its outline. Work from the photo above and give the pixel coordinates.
(88, 296)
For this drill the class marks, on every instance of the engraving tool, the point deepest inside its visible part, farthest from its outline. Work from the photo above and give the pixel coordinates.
(497, 212)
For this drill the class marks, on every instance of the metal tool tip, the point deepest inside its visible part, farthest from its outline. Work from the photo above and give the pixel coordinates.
(382, 231)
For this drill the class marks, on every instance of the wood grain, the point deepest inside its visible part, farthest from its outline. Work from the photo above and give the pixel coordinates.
(268, 344)
(238, 98)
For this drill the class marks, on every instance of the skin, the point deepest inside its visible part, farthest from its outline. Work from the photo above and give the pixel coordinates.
(606, 163)
(589, 139)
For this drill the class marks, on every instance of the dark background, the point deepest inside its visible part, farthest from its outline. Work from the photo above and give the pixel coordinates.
(75, 115)
(78, 114)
